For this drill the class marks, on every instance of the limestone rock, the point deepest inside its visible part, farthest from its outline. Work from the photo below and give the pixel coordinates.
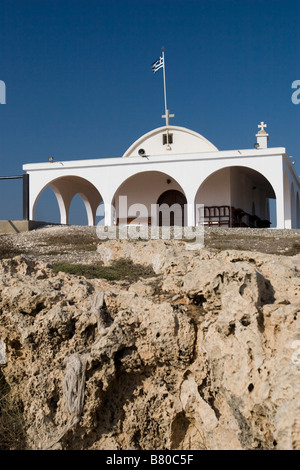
(206, 356)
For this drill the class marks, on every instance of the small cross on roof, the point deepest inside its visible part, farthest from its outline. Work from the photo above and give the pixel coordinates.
(167, 116)
(262, 125)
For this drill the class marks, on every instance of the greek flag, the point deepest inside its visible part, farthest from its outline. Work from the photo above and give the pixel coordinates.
(158, 64)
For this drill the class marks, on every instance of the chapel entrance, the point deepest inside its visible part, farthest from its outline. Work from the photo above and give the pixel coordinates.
(135, 201)
(172, 208)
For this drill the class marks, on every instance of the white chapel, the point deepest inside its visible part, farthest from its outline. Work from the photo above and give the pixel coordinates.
(174, 165)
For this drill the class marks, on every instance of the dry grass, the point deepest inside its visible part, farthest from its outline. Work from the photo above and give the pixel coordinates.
(12, 428)
(73, 241)
(7, 249)
(277, 245)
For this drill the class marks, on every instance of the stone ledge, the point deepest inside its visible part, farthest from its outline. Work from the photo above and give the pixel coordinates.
(17, 226)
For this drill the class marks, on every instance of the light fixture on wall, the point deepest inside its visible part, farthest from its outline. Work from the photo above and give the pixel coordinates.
(141, 152)
(256, 145)
(51, 159)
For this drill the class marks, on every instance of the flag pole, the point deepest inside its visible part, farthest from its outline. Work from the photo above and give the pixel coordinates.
(164, 78)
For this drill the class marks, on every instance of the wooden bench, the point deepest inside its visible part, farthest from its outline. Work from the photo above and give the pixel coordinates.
(217, 216)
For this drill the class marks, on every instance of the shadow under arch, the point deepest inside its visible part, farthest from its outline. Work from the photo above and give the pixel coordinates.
(244, 194)
(136, 197)
(65, 188)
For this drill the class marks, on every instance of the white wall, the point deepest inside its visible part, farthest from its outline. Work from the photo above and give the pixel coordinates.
(189, 171)
(215, 190)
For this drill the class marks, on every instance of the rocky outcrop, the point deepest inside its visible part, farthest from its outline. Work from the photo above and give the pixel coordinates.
(205, 355)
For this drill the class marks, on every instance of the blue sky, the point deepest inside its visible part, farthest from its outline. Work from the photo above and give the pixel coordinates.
(79, 82)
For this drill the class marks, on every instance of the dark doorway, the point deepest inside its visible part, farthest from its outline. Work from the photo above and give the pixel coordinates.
(169, 215)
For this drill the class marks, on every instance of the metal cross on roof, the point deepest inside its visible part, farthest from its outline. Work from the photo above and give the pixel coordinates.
(167, 116)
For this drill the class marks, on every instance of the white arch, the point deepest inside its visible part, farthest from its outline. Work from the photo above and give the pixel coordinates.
(239, 186)
(60, 201)
(61, 204)
(88, 208)
(47, 206)
(143, 188)
(65, 188)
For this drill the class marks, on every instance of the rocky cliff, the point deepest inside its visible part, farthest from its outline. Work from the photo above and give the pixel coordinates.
(203, 354)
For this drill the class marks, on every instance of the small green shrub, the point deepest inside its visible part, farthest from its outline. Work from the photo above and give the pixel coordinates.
(294, 249)
(120, 270)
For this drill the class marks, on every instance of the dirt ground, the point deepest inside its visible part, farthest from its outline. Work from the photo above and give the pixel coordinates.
(78, 244)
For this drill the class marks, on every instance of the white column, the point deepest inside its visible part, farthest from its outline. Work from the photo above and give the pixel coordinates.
(108, 214)
(191, 222)
(280, 212)
(89, 210)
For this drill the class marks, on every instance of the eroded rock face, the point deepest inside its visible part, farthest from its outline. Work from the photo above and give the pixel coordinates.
(204, 356)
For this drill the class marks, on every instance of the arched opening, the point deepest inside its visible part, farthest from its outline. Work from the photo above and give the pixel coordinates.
(47, 208)
(172, 208)
(100, 214)
(65, 188)
(135, 201)
(77, 211)
(237, 196)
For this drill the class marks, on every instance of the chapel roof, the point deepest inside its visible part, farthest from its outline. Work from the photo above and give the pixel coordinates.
(168, 140)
